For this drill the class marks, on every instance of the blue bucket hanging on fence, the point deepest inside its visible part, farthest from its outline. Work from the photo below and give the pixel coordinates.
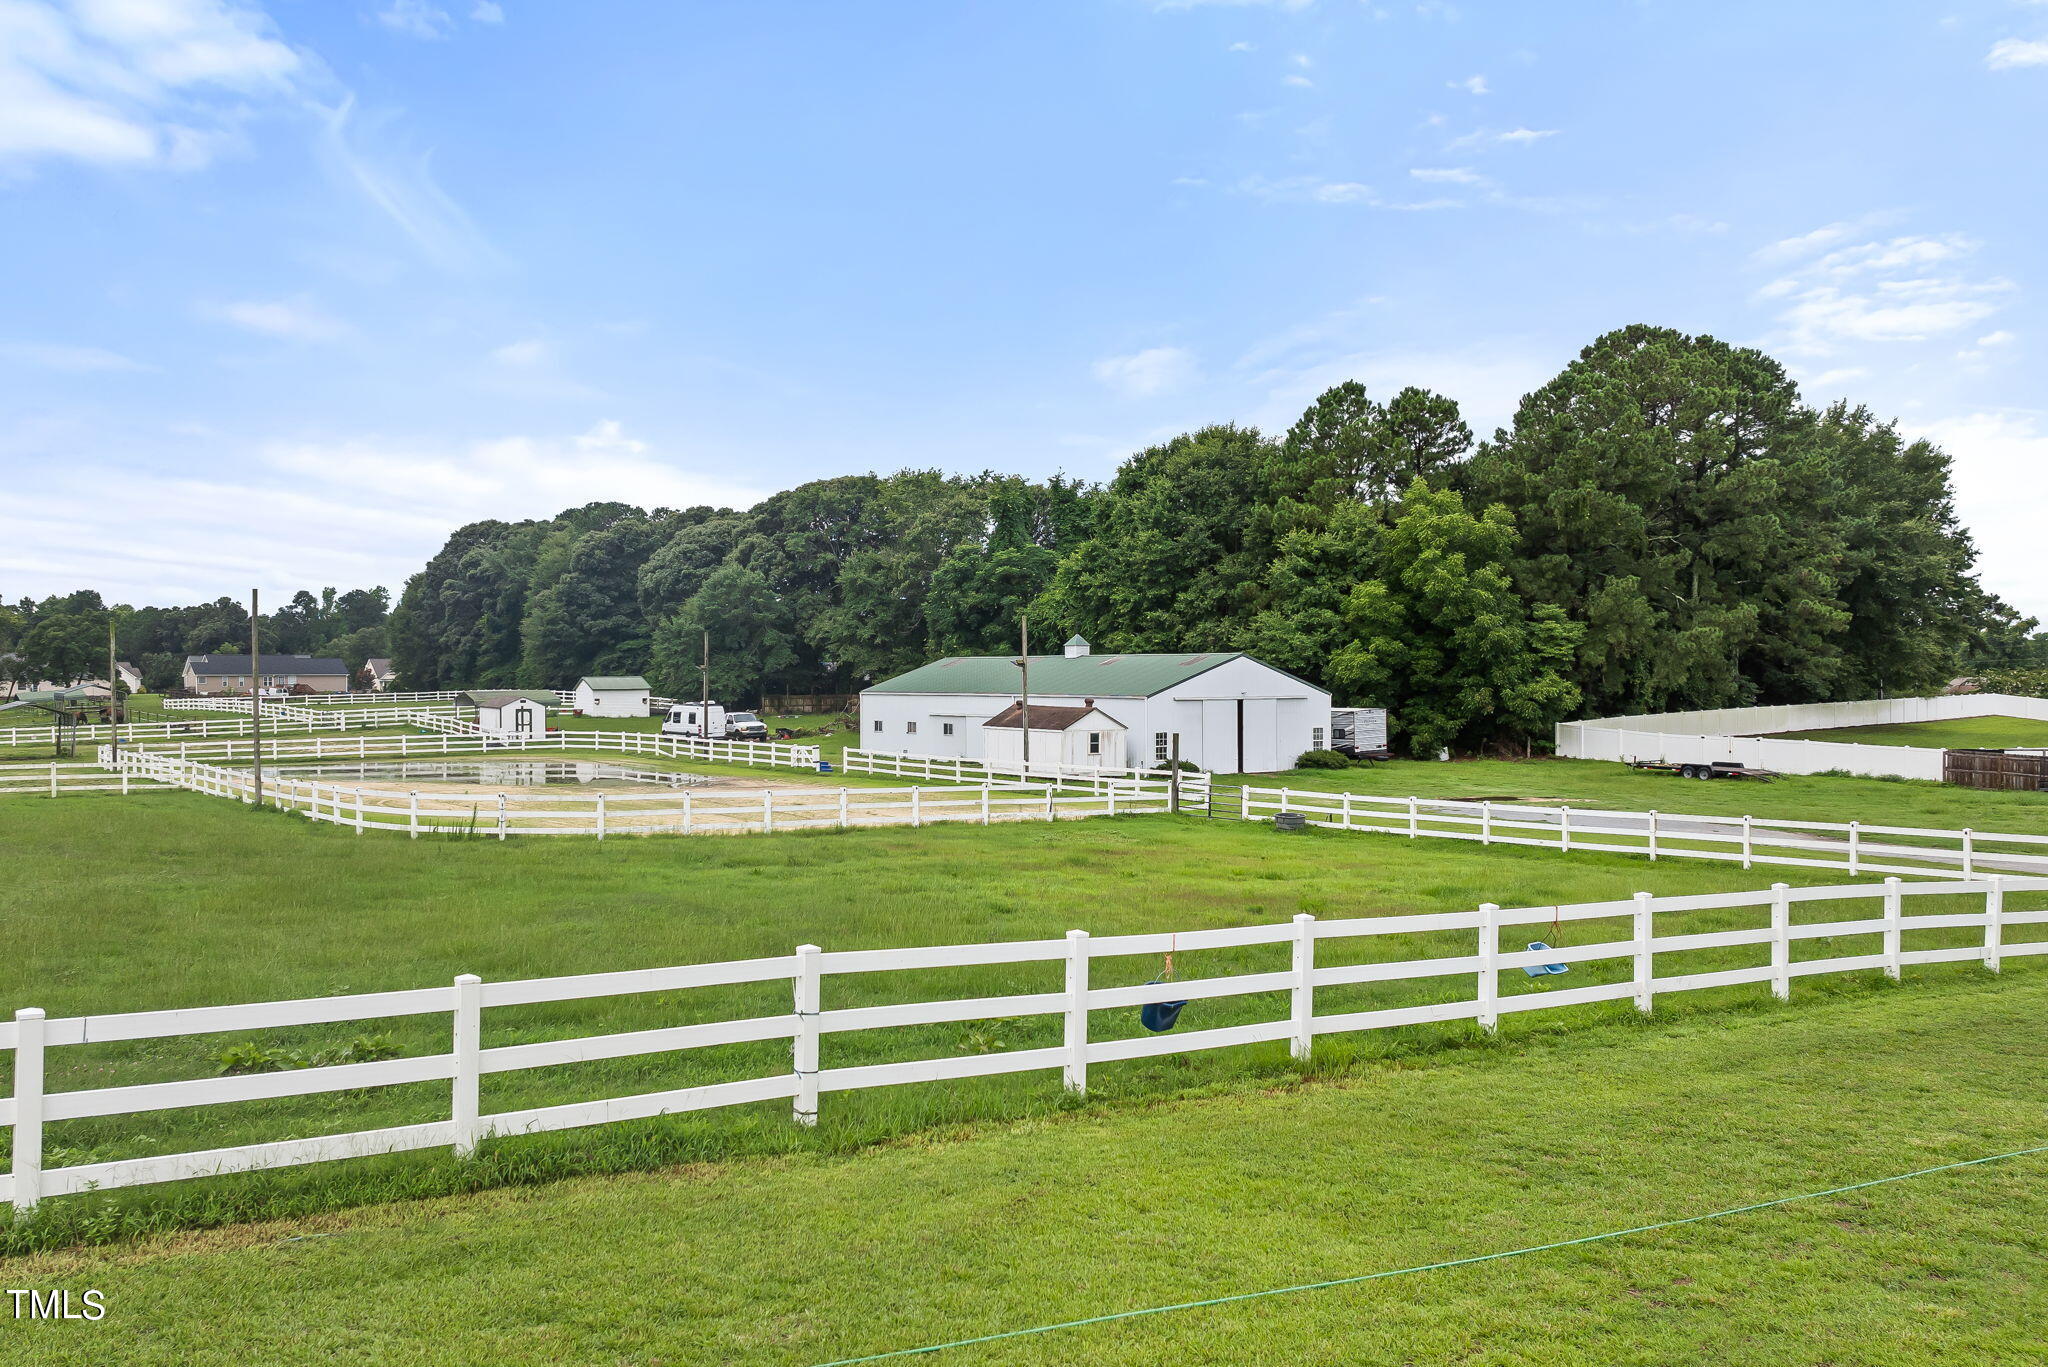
(1162, 1016)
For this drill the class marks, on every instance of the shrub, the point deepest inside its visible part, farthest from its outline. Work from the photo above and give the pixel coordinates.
(1321, 759)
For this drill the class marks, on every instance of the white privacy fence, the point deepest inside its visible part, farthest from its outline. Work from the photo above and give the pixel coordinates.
(1852, 847)
(1193, 786)
(1743, 734)
(389, 805)
(1297, 982)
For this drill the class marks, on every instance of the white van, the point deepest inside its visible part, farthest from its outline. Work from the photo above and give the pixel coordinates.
(695, 719)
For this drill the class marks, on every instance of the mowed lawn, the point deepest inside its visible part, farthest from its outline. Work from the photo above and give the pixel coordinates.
(814, 1258)
(1597, 783)
(1963, 733)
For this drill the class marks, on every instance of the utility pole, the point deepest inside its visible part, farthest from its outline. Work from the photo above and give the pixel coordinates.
(255, 700)
(1023, 663)
(114, 710)
(704, 689)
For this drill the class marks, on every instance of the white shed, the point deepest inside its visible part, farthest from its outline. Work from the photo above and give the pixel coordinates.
(1084, 737)
(1228, 712)
(613, 696)
(509, 714)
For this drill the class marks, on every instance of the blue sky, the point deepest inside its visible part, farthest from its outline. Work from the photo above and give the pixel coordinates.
(291, 291)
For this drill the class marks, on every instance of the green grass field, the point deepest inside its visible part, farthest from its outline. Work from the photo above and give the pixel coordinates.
(1964, 733)
(192, 901)
(1596, 783)
(815, 1257)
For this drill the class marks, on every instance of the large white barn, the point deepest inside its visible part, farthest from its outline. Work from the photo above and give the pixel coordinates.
(1230, 712)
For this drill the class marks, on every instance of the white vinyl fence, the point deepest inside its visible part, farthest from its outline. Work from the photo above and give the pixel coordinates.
(754, 754)
(811, 1016)
(1743, 735)
(1853, 847)
(375, 805)
(56, 778)
(148, 732)
(1193, 785)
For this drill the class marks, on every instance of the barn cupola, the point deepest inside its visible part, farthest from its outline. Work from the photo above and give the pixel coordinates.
(1076, 646)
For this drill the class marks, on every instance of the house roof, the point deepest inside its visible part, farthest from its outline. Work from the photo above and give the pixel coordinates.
(377, 666)
(604, 683)
(1099, 676)
(1050, 718)
(499, 697)
(272, 664)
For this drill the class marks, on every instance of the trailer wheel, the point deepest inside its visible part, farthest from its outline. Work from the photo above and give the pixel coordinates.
(1704, 771)
(1687, 771)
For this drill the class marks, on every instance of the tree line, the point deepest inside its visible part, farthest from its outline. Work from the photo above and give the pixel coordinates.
(63, 639)
(1666, 524)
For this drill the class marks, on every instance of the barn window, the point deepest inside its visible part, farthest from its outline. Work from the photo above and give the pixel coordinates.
(910, 728)
(1094, 742)
(1161, 747)
(1315, 736)
(945, 728)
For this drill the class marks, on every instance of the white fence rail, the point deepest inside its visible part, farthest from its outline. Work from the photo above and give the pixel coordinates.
(1193, 785)
(1743, 735)
(295, 722)
(1853, 847)
(58, 778)
(808, 971)
(754, 754)
(375, 805)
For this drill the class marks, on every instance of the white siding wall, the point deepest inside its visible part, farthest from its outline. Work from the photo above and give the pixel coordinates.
(611, 702)
(1280, 716)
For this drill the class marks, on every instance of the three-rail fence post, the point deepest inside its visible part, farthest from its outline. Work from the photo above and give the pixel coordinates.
(1994, 922)
(1489, 970)
(1074, 1074)
(1892, 927)
(28, 1108)
(807, 986)
(1781, 942)
(1301, 1000)
(468, 1050)
(1644, 930)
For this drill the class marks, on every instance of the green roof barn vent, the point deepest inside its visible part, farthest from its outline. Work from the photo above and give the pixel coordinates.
(1076, 646)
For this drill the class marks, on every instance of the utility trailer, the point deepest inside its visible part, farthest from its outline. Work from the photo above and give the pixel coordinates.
(1720, 768)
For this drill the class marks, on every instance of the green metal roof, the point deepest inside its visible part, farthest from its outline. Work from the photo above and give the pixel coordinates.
(618, 681)
(490, 697)
(1087, 676)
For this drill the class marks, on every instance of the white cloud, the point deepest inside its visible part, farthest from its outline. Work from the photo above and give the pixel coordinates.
(2007, 53)
(1999, 338)
(295, 319)
(1145, 374)
(76, 359)
(1839, 375)
(1997, 453)
(1302, 60)
(1472, 85)
(1447, 175)
(1241, 47)
(382, 506)
(1299, 82)
(488, 12)
(1490, 137)
(1900, 289)
(416, 19)
(149, 83)
(368, 154)
(523, 354)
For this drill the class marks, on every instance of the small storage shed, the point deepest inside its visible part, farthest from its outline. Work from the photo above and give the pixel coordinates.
(625, 695)
(1084, 737)
(509, 714)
